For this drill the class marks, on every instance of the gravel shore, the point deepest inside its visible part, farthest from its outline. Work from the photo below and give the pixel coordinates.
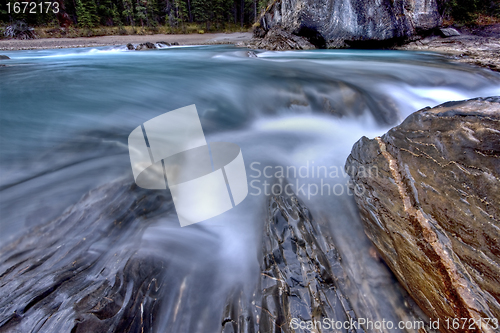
(475, 50)
(188, 39)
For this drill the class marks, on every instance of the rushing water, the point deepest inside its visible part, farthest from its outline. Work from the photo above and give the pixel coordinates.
(65, 116)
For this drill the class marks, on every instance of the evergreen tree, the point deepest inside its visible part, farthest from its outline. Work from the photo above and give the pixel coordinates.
(128, 11)
(86, 12)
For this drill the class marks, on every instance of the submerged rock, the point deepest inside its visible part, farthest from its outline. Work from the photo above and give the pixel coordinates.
(145, 46)
(432, 208)
(149, 46)
(341, 23)
(167, 44)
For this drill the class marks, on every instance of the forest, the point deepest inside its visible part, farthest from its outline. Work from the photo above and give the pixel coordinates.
(211, 15)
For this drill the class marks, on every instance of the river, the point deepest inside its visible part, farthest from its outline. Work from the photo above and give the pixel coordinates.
(65, 116)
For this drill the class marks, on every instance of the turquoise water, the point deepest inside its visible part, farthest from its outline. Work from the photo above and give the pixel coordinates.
(65, 116)
(60, 109)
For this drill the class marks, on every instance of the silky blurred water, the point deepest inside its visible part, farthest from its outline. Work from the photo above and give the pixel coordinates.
(65, 116)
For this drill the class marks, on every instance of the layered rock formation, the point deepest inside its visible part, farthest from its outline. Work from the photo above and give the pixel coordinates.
(302, 275)
(305, 280)
(62, 276)
(341, 23)
(432, 209)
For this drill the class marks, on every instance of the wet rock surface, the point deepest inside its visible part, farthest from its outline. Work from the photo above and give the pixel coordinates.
(94, 270)
(149, 46)
(302, 275)
(304, 279)
(432, 209)
(63, 277)
(109, 264)
(336, 23)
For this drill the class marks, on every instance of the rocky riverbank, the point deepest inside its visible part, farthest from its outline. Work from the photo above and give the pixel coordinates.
(432, 209)
(480, 47)
(185, 39)
(407, 25)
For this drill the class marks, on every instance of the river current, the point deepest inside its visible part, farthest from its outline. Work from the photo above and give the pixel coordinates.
(65, 116)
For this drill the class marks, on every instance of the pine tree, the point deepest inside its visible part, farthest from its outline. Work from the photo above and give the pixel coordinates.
(140, 11)
(86, 13)
(128, 11)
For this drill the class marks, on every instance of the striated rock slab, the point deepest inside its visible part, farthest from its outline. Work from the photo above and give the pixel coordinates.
(432, 210)
(302, 276)
(341, 23)
(84, 272)
(448, 32)
(305, 279)
(111, 263)
(302, 279)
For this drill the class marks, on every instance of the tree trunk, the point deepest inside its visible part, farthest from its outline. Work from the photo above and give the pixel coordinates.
(255, 10)
(242, 11)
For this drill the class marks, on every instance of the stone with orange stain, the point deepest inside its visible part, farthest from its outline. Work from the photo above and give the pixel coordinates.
(432, 212)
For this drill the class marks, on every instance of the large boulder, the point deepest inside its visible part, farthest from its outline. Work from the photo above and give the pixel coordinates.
(432, 211)
(340, 23)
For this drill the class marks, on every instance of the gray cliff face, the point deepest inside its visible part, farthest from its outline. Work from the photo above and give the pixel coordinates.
(338, 23)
